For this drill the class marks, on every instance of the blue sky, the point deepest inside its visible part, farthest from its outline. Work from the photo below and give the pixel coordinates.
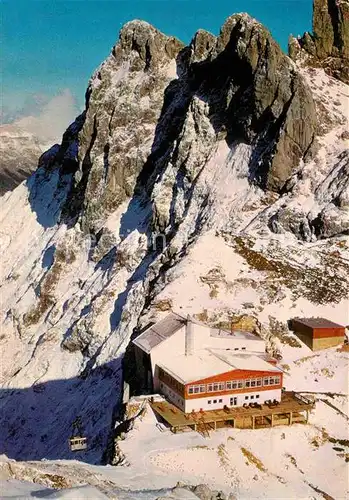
(51, 45)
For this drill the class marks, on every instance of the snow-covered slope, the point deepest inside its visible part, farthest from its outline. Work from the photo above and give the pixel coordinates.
(197, 178)
(282, 462)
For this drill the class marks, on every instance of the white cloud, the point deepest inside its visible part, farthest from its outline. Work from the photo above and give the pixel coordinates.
(51, 118)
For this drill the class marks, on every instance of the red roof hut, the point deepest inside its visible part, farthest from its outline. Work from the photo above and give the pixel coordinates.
(318, 333)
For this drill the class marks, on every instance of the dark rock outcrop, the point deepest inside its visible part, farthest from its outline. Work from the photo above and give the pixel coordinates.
(330, 215)
(328, 45)
(123, 104)
(201, 492)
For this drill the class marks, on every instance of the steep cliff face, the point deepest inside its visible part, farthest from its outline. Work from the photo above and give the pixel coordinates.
(317, 205)
(328, 45)
(255, 95)
(123, 104)
(180, 168)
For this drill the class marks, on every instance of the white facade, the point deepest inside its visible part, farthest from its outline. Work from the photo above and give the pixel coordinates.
(166, 350)
(216, 402)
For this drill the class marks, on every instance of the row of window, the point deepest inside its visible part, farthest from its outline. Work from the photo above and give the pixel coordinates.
(233, 384)
(196, 389)
(170, 380)
(233, 401)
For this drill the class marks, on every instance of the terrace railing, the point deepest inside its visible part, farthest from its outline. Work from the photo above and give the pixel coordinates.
(309, 400)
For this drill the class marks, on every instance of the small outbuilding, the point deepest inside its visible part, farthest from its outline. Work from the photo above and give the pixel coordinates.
(318, 333)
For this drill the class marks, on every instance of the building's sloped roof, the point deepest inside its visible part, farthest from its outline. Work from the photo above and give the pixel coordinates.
(202, 364)
(208, 363)
(248, 361)
(318, 323)
(267, 357)
(157, 333)
(166, 327)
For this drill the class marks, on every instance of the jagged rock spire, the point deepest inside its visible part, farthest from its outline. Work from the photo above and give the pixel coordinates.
(328, 45)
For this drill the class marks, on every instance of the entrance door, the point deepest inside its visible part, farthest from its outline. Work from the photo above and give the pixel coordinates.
(233, 401)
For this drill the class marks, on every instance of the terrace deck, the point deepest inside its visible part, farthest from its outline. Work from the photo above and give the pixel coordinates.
(293, 408)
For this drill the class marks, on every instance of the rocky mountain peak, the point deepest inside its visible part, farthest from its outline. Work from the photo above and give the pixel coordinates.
(143, 97)
(256, 92)
(252, 84)
(152, 47)
(328, 45)
(202, 45)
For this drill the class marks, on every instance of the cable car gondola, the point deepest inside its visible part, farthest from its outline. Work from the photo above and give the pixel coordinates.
(77, 441)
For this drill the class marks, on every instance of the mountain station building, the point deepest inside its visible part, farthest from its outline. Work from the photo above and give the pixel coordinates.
(201, 368)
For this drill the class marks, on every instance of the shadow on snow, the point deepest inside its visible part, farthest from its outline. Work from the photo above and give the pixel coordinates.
(36, 422)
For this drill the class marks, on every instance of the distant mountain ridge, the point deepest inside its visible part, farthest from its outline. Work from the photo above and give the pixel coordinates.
(20, 152)
(31, 132)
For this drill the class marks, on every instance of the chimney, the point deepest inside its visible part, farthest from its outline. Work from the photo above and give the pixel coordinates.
(189, 337)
